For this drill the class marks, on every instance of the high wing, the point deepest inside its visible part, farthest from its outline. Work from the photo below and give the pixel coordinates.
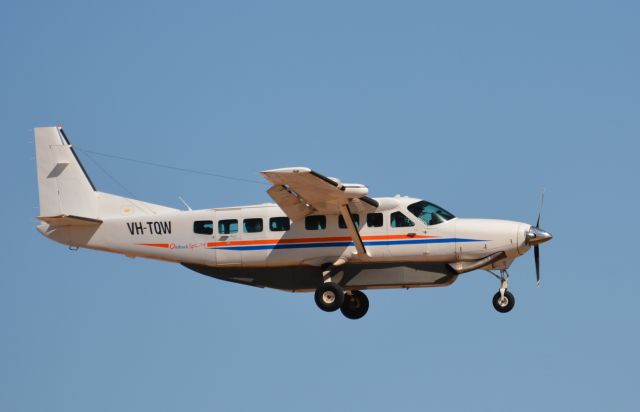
(299, 191)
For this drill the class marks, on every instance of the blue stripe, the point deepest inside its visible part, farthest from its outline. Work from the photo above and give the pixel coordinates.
(286, 246)
(349, 243)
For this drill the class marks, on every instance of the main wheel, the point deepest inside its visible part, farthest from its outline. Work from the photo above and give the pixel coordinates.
(329, 297)
(355, 305)
(504, 305)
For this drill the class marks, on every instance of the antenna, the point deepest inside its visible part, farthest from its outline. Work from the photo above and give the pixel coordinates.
(184, 203)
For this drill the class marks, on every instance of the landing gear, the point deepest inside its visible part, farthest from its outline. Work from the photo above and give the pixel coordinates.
(356, 305)
(503, 301)
(329, 297)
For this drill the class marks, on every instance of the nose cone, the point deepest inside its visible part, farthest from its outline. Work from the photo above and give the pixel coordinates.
(535, 236)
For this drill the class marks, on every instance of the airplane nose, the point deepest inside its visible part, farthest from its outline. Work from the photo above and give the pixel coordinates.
(535, 236)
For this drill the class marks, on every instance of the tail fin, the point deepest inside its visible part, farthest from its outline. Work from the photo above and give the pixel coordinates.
(63, 185)
(67, 195)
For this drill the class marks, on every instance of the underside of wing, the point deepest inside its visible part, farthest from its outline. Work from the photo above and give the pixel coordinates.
(299, 191)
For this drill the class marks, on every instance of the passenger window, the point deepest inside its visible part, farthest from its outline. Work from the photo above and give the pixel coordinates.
(374, 220)
(343, 225)
(279, 224)
(227, 227)
(317, 222)
(252, 225)
(398, 219)
(203, 227)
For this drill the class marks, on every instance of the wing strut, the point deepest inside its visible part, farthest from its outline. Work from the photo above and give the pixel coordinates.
(351, 227)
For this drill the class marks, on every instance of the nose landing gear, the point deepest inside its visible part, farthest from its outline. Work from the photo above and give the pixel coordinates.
(503, 301)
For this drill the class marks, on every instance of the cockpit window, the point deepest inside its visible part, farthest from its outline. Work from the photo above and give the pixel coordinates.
(429, 213)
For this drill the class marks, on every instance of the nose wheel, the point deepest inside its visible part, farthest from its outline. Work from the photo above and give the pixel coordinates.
(503, 301)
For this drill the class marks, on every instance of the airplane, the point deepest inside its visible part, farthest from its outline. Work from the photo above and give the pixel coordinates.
(321, 235)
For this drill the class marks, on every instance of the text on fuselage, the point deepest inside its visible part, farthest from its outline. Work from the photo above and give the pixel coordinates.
(149, 228)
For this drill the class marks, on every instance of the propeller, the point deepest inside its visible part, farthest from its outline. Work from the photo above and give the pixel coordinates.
(536, 254)
(535, 236)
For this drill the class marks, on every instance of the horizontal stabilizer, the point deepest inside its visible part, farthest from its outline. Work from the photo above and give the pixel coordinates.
(70, 220)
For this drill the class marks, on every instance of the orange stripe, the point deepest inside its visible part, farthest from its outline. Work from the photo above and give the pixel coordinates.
(395, 237)
(162, 245)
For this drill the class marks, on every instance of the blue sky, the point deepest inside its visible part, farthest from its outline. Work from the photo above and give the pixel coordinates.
(476, 106)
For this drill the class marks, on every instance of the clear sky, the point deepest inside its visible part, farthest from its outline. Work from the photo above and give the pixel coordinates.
(474, 105)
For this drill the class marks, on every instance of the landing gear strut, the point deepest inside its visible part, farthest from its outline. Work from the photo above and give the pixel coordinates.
(503, 301)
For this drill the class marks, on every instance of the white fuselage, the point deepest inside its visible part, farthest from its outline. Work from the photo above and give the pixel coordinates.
(171, 237)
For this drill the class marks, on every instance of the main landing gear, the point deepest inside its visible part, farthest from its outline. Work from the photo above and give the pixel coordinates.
(331, 297)
(503, 301)
(355, 305)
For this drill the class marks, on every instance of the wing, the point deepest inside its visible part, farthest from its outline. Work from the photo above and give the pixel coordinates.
(300, 191)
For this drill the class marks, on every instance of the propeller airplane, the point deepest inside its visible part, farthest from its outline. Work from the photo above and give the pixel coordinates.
(321, 235)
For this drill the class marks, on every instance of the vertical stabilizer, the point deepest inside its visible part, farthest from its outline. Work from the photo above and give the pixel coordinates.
(63, 185)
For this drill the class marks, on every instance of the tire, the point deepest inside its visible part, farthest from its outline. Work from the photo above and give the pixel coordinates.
(329, 297)
(504, 307)
(355, 305)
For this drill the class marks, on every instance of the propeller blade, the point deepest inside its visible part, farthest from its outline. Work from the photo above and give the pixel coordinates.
(540, 209)
(536, 254)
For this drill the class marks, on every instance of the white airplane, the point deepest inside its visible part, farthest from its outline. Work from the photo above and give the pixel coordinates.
(322, 235)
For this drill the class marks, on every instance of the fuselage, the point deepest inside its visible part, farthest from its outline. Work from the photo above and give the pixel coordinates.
(260, 236)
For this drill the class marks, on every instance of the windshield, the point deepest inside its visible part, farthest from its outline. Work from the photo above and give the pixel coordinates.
(429, 213)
